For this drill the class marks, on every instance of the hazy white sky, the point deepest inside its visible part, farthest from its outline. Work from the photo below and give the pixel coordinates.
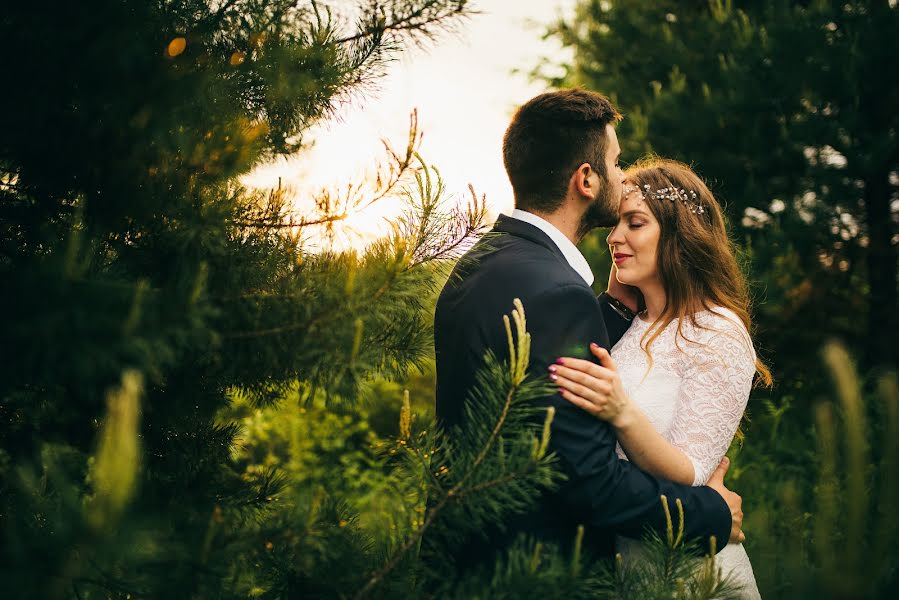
(465, 93)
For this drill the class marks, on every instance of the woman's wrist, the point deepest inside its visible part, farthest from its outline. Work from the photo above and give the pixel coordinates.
(625, 419)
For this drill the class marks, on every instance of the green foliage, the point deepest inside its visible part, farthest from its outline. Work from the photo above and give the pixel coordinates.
(381, 399)
(823, 524)
(500, 452)
(131, 247)
(113, 472)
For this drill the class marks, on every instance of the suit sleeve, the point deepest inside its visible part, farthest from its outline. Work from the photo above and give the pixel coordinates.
(602, 490)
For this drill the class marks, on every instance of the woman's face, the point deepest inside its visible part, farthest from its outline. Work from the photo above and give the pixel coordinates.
(634, 241)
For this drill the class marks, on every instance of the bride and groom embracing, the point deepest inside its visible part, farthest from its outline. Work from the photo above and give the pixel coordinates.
(656, 415)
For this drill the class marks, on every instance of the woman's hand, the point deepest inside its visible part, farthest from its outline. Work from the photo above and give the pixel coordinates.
(627, 294)
(595, 388)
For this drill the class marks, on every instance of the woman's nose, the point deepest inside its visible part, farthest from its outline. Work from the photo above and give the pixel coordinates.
(614, 237)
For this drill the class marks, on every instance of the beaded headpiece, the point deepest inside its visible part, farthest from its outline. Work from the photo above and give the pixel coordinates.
(688, 198)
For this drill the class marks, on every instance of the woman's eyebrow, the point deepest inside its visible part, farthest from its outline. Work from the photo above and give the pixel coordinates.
(633, 212)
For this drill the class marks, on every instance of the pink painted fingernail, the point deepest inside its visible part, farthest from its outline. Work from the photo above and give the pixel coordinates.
(552, 368)
(553, 376)
(594, 345)
(560, 361)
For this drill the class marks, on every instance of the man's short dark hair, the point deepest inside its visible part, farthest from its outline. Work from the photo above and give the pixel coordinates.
(550, 136)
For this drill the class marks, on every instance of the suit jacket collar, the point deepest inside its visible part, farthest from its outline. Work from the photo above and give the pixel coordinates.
(533, 233)
(513, 226)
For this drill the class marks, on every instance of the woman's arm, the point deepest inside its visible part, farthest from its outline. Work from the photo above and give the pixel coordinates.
(709, 407)
(713, 395)
(646, 448)
(597, 389)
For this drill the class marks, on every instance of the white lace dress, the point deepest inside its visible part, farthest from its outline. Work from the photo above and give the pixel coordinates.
(694, 394)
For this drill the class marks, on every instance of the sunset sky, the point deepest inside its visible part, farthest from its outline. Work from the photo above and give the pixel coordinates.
(465, 93)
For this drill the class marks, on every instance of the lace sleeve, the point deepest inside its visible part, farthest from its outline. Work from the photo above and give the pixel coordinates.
(713, 394)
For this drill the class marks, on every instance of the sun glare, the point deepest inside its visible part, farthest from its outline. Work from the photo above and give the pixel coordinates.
(465, 93)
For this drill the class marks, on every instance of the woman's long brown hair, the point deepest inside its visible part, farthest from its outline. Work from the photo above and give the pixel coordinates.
(696, 259)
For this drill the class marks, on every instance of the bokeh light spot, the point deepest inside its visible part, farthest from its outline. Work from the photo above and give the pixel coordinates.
(176, 46)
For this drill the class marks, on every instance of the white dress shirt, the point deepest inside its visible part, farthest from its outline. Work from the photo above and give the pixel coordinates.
(569, 250)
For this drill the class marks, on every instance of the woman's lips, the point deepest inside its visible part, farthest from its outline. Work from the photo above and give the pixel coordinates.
(620, 258)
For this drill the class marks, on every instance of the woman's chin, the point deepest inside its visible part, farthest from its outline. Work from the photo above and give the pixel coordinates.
(623, 278)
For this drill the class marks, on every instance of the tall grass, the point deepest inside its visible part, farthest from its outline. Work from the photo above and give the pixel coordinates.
(822, 523)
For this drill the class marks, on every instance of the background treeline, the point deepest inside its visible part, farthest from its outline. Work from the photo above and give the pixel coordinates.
(193, 405)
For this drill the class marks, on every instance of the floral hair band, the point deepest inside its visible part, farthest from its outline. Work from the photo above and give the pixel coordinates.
(688, 198)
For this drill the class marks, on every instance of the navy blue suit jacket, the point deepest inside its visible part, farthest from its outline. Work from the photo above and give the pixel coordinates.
(607, 495)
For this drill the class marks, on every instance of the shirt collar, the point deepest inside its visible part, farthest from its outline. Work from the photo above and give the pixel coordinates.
(569, 250)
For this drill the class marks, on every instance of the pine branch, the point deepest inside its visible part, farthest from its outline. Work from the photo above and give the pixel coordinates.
(397, 170)
(430, 13)
(318, 319)
(515, 373)
(490, 440)
(434, 234)
(453, 495)
(268, 224)
(228, 4)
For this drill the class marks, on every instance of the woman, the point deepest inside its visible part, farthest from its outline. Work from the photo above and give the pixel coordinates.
(682, 373)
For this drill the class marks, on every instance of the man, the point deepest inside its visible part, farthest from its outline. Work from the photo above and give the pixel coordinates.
(561, 154)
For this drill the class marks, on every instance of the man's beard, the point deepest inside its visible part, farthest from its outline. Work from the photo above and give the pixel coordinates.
(602, 212)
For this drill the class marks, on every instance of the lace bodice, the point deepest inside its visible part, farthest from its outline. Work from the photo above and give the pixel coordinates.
(694, 393)
(696, 389)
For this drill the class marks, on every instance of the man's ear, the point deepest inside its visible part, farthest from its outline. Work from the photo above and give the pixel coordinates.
(584, 184)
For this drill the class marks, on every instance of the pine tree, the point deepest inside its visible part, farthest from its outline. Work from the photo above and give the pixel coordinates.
(131, 259)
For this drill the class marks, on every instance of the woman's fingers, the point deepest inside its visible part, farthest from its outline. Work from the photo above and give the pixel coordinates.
(605, 358)
(586, 366)
(581, 403)
(601, 385)
(589, 393)
(597, 409)
(577, 388)
(596, 404)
